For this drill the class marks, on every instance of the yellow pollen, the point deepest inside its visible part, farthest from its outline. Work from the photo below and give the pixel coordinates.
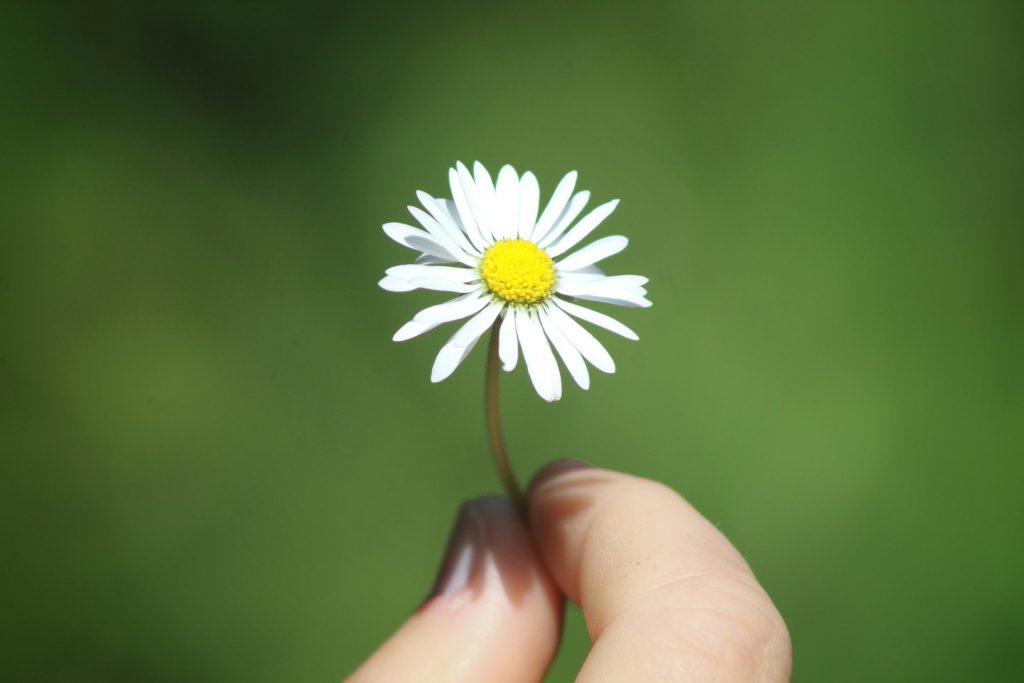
(518, 271)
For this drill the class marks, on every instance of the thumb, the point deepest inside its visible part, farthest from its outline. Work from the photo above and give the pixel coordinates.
(493, 614)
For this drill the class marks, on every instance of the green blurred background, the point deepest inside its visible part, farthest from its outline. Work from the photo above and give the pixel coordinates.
(216, 464)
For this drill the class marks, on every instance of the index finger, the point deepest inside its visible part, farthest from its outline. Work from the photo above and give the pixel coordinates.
(665, 595)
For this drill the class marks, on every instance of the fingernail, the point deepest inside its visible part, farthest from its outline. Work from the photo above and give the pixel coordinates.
(572, 463)
(465, 545)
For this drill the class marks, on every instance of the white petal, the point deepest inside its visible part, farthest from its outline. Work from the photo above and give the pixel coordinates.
(540, 363)
(485, 201)
(464, 208)
(599, 319)
(400, 232)
(449, 206)
(395, 284)
(506, 214)
(417, 239)
(416, 327)
(449, 358)
(451, 310)
(437, 284)
(588, 270)
(576, 279)
(412, 329)
(529, 202)
(555, 206)
(427, 259)
(576, 205)
(453, 211)
(617, 283)
(427, 245)
(440, 284)
(478, 324)
(582, 229)
(447, 223)
(570, 355)
(601, 285)
(626, 293)
(453, 273)
(582, 340)
(441, 235)
(623, 299)
(508, 343)
(593, 252)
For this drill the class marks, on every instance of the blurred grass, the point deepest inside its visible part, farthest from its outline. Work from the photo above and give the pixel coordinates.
(216, 465)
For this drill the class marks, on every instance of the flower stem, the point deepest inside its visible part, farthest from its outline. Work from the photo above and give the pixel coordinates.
(498, 450)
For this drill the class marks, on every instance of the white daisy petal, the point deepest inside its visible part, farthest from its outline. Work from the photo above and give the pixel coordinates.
(441, 235)
(449, 358)
(437, 284)
(464, 209)
(582, 340)
(479, 323)
(576, 280)
(440, 213)
(399, 232)
(440, 284)
(582, 229)
(594, 252)
(619, 299)
(600, 285)
(626, 293)
(428, 245)
(451, 310)
(412, 329)
(506, 216)
(448, 218)
(540, 362)
(575, 206)
(427, 259)
(554, 207)
(396, 284)
(599, 319)
(588, 270)
(570, 355)
(402, 233)
(508, 343)
(454, 273)
(621, 282)
(610, 284)
(485, 201)
(529, 202)
(448, 206)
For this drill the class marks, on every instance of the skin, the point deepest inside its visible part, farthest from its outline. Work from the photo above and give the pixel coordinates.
(665, 596)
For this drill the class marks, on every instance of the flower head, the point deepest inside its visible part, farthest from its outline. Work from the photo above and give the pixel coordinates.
(489, 245)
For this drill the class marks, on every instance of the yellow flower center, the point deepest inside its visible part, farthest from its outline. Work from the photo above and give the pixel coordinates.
(518, 271)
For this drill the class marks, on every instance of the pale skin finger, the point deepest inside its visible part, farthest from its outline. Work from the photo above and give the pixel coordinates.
(494, 614)
(665, 596)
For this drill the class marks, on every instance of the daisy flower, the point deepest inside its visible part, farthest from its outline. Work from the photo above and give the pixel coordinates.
(516, 271)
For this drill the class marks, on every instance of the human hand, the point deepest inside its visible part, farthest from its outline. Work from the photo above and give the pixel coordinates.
(665, 596)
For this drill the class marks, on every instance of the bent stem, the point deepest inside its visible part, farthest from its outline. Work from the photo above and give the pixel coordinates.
(498, 450)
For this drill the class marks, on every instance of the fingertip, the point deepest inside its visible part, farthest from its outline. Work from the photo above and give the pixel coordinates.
(489, 549)
(493, 613)
(553, 469)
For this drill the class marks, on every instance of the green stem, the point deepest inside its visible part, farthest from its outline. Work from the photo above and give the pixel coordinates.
(498, 450)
